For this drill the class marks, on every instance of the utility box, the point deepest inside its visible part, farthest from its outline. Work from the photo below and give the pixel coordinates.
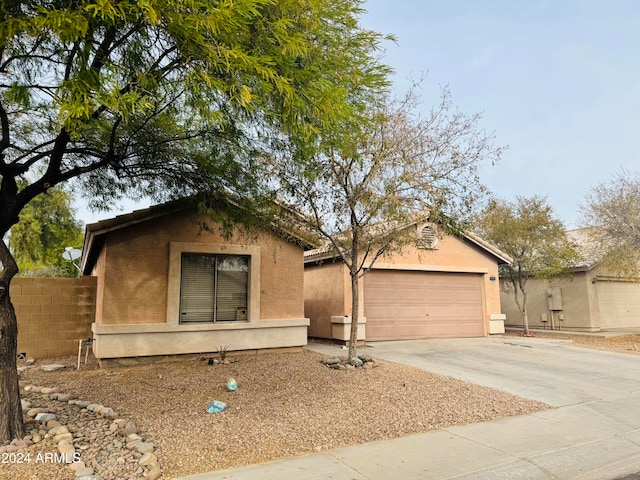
(554, 299)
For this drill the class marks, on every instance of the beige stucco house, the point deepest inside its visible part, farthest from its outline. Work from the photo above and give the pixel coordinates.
(445, 287)
(591, 299)
(167, 286)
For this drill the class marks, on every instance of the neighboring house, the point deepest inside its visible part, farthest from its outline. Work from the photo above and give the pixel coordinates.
(166, 285)
(591, 299)
(441, 287)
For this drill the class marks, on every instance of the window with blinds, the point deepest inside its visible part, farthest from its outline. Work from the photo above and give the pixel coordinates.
(213, 288)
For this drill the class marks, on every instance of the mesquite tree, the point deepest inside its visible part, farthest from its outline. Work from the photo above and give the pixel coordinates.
(365, 186)
(611, 214)
(528, 231)
(161, 98)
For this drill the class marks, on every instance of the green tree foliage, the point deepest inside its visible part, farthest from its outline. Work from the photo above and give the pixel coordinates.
(612, 215)
(362, 191)
(528, 231)
(47, 226)
(163, 98)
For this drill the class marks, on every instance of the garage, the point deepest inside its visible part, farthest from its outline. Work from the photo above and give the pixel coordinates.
(401, 304)
(619, 304)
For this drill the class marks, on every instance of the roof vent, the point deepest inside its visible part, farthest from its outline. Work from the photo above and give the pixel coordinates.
(427, 237)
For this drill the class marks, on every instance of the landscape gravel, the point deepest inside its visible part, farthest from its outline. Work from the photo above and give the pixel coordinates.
(284, 405)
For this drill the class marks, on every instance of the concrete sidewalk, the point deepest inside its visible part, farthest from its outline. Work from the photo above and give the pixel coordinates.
(594, 434)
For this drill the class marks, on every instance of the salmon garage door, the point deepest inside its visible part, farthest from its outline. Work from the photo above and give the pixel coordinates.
(406, 304)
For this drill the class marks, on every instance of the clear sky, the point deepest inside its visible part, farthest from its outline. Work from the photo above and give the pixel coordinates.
(558, 81)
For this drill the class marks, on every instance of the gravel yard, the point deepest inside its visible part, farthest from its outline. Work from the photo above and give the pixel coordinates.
(285, 405)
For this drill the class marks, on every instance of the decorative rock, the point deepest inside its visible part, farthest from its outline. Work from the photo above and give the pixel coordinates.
(368, 366)
(147, 459)
(52, 368)
(108, 412)
(356, 362)
(121, 422)
(35, 411)
(49, 390)
(58, 430)
(144, 447)
(132, 445)
(63, 397)
(45, 417)
(30, 361)
(94, 434)
(232, 385)
(25, 405)
(154, 473)
(68, 451)
(84, 472)
(216, 406)
(75, 466)
(331, 361)
(63, 436)
(129, 429)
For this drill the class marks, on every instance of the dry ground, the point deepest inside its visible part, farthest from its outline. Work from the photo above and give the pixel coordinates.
(286, 404)
(620, 343)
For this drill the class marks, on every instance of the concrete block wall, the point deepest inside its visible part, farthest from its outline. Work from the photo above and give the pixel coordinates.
(53, 314)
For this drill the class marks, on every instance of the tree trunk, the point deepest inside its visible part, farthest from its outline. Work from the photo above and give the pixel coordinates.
(525, 314)
(355, 314)
(11, 425)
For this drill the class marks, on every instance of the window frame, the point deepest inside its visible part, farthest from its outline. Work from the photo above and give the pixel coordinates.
(214, 302)
(176, 249)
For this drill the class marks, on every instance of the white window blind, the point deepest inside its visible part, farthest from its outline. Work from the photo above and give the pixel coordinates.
(213, 288)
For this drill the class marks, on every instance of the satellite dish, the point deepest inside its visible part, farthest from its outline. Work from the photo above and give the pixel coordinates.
(71, 254)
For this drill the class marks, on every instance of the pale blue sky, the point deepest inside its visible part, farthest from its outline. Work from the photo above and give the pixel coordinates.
(557, 81)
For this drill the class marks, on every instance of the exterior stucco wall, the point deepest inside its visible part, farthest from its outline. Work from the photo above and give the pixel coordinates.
(134, 268)
(324, 296)
(328, 293)
(577, 308)
(135, 277)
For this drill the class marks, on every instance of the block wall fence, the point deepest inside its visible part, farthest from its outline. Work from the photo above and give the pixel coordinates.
(53, 314)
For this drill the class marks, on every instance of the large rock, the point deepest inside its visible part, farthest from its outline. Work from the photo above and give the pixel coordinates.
(144, 447)
(52, 367)
(67, 450)
(147, 459)
(154, 473)
(45, 417)
(129, 429)
(63, 397)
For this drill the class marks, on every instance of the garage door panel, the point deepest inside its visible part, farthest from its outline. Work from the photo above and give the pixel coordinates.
(409, 305)
(619, 304)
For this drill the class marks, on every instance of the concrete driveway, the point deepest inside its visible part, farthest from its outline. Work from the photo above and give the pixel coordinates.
(594, 434)
(539, 369)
